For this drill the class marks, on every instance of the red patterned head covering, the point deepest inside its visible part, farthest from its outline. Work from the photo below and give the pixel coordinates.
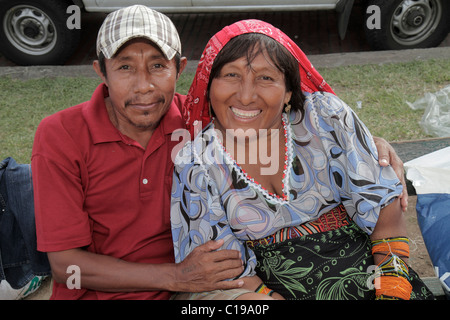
(196, 108)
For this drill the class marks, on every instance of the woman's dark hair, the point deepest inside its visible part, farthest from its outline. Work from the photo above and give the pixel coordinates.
(250, 45)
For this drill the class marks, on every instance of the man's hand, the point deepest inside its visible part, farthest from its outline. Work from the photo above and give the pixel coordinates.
(205, 269)
(388, 156)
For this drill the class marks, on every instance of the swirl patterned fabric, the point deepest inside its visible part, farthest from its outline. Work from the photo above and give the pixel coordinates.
(331, 159)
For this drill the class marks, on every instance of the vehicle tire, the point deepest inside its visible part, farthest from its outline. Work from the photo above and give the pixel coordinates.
(407, 24)
(34, 32)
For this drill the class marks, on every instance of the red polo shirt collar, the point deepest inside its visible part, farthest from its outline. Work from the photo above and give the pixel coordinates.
(102, 130)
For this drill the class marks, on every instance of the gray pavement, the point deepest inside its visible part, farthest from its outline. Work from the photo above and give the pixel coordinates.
(319, 61)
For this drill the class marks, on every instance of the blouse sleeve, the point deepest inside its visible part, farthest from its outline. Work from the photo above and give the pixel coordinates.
(364, 185)
(197, 212)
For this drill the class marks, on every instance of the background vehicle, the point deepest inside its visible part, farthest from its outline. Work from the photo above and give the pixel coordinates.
(36, 32)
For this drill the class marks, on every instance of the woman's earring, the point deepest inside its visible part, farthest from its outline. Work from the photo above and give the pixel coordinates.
(287, 108)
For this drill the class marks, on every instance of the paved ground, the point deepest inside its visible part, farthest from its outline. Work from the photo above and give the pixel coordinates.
(318, 60)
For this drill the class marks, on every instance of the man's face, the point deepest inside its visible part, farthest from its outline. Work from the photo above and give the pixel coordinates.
(141, 83)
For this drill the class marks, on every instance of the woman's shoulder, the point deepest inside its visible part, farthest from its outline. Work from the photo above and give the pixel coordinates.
(325, 103)
(323, 113)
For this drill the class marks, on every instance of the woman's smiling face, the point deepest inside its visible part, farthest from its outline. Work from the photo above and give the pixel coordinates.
(249, 96)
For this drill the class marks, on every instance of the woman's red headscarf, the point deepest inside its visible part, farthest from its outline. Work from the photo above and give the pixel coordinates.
(196, 108)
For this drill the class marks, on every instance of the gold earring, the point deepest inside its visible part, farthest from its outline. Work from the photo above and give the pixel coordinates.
(287, 108)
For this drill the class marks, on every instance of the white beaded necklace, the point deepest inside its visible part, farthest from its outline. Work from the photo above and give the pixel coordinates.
(289, 152)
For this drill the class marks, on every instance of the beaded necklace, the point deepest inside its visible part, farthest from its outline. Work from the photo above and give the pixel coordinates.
(242, 174)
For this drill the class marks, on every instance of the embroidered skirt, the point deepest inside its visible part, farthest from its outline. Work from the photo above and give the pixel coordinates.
(328, 259)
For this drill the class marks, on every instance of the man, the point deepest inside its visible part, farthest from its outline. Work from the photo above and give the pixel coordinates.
(102, 174)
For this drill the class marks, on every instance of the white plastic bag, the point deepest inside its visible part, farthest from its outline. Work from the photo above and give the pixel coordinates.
(430, 173)
(436, 118)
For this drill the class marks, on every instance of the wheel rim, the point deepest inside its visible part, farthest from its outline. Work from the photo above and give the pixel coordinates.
(30, 30)
(414, 20)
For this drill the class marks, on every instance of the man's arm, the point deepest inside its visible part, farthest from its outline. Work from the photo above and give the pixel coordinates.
(203, 270)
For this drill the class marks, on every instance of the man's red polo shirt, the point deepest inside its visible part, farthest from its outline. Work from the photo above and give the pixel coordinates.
(97, 188)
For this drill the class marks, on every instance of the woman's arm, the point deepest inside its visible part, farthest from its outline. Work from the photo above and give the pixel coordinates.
(390, 249)
(391, 224)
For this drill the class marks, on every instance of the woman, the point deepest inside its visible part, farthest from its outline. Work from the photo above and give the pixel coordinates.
(307, 205)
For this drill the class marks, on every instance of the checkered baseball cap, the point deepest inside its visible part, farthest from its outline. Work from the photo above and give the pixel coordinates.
(137, 21)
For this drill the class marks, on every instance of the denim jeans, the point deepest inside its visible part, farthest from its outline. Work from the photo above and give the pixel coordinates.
(19, 259)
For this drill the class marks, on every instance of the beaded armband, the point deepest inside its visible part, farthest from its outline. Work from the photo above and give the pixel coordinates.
(393, 282)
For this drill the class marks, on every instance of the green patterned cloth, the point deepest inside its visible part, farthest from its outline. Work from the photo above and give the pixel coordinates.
(331, 265)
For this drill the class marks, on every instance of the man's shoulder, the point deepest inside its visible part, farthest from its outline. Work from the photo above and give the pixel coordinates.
(69, 120)
(73, 116)
(64, 117)
(60, 131)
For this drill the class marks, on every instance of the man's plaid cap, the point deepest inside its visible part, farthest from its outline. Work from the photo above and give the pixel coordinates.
(137, 21)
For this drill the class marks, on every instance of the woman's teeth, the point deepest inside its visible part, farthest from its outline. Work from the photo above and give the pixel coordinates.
(245, 113)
